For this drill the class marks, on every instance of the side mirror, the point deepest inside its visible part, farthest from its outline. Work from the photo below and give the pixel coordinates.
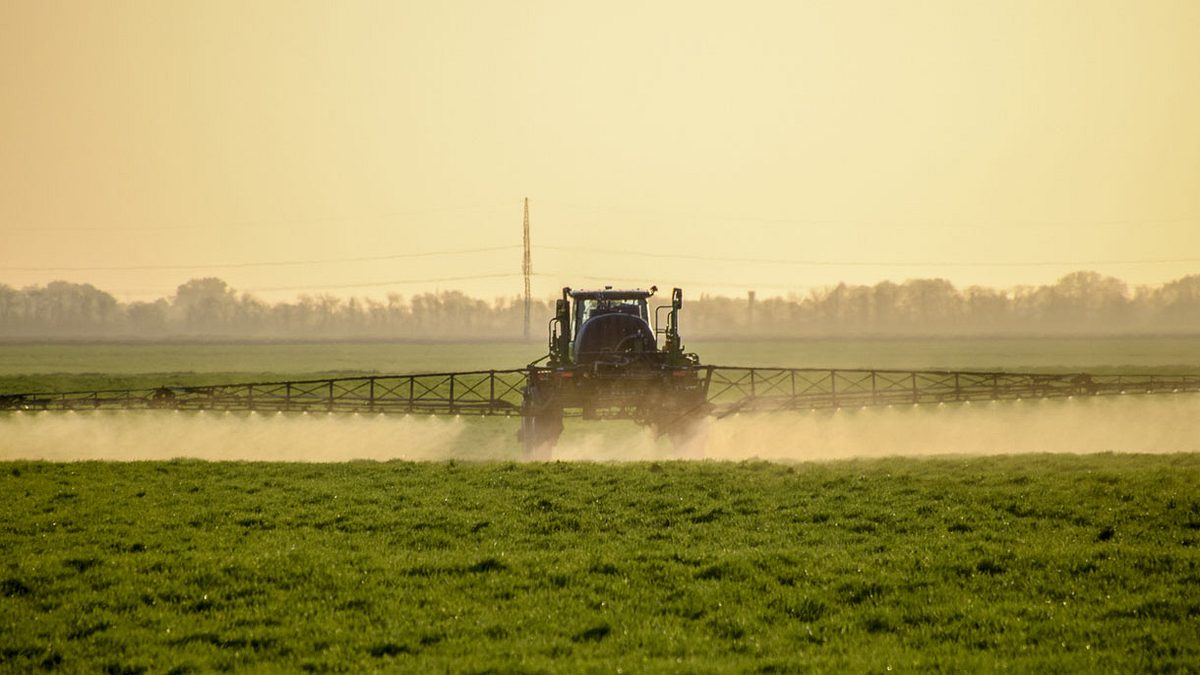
(562, 310)
(677, 298)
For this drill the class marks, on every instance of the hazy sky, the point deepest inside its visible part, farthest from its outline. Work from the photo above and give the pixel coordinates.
(950, 138)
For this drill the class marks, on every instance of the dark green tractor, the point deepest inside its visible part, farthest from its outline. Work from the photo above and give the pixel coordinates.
(611, 358)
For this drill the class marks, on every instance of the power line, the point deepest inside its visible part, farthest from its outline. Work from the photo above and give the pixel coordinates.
(766, 220)
(707, 283)
(698, 283)
(614, 252)
(506, 275)
(395, 282)
(270, 263)
(499, 275)
(864, 263)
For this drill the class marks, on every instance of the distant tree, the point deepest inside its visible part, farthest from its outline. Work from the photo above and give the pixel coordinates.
(70, 308)
(930, 305)
(205, 306)
(1087, 300)
(12, 309)
(148, 318)
(1176, 305)
(1080, 302)
(885, 301)
(254, 317)
(987, 310)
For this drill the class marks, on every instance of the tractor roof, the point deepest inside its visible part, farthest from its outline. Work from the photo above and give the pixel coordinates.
(612, 294)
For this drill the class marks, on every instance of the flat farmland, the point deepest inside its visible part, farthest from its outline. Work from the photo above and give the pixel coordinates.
(1000, 552)
(1031, 563)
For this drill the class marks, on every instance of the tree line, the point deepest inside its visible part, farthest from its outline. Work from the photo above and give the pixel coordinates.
(1083, 302)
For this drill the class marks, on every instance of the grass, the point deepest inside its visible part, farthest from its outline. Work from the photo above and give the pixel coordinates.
(1040, 562)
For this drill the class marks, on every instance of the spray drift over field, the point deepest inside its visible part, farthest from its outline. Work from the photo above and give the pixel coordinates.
(1157, 424)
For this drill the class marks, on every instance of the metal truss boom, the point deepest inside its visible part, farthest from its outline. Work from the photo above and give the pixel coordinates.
(728, 390)
(732, 389)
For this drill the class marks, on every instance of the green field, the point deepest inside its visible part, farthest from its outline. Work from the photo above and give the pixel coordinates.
(1030, 563)
(62, 367)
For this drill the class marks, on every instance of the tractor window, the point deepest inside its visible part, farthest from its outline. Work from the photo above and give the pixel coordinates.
(587, 308)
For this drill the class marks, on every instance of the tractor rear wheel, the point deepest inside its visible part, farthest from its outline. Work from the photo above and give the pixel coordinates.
(539, 434)
(541, 425)
(688, 431)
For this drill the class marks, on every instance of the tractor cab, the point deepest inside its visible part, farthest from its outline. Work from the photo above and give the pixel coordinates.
(589, 304)
(613, 328)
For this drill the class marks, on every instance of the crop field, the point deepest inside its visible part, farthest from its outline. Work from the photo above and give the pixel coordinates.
(1031, 563)
(876, 541)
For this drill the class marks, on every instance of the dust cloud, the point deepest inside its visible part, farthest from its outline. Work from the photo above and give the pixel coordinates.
(1152, 424)
(1129, 424)
(154, 435)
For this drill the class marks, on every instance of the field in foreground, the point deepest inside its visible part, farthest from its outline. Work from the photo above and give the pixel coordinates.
(1035, 562)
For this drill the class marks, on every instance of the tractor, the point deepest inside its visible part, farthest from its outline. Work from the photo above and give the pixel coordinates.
(608, 360)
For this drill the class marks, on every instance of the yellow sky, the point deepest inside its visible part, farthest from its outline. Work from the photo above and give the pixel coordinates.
(952, 138)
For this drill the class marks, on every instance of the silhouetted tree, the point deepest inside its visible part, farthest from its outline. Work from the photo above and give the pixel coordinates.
(148, 318)
(206, 306)
(1080, 302)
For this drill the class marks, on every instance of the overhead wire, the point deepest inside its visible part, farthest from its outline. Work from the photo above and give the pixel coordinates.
(393, 282)
(505, 275)
(614, 252)
(768, 220)
(710, 283)
(269, 263)
(862, 263)
(694, 283)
